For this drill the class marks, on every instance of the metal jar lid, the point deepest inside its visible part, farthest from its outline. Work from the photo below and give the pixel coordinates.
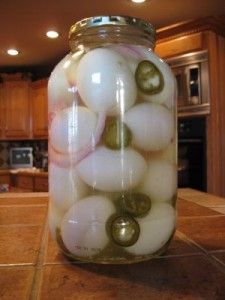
(140, 24)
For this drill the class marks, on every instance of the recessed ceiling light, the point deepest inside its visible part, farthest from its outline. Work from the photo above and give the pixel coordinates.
(52, 34)
(138, 1)
(12, 52)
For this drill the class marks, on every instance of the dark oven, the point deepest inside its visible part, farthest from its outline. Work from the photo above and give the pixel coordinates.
(192, 153)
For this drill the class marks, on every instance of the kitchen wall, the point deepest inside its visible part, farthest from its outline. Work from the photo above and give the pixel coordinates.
(40, 148)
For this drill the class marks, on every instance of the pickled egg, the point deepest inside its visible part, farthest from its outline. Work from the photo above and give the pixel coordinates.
(168, 153)
(83, 227)
(72, 129)
(61, 82)
(151, 124)
(160, 182)
(112, 171)
(129, 55)
(155, 229)
(65, 187)
(105, 82)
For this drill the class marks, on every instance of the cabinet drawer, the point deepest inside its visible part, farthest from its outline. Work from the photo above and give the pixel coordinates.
(25, 182)
(5, 179)
(41, 184)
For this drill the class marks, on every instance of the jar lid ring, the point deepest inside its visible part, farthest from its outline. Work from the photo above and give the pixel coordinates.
(96, 21)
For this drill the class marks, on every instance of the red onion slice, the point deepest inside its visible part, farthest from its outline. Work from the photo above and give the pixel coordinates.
(70, 160)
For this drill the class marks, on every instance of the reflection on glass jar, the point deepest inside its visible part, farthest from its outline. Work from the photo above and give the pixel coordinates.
(112, 144)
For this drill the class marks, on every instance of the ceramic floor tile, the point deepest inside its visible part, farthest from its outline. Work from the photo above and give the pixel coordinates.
(187, 192)
(53, 253)
(190, 209)
(172, 278)
(206, 231)
(219, 209)
(10, 215)
(15, 283)
(178, 246)
(220, 256)
(204, 199)
(20, 244)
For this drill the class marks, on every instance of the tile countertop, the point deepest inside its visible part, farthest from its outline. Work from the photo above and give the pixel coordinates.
(31, 267)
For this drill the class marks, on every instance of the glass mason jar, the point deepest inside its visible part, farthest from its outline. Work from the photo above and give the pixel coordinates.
(112, 144)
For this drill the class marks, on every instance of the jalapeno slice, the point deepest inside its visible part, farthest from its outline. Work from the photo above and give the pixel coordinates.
(124, 230)
(149, 78)
(135, 204)
(117, 135)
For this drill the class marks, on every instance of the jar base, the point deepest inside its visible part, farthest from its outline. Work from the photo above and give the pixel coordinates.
(118, 259)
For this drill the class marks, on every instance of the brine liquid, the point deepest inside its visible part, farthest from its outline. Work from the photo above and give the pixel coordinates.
(112, 146)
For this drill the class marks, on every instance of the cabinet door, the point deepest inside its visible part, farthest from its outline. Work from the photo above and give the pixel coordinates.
(16, 95)
(25, 182)
(5, 179)
(41, 184)
(2, 112)
(40, 109)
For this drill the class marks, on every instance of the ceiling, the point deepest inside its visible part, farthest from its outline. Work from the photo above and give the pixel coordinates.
(23, 23)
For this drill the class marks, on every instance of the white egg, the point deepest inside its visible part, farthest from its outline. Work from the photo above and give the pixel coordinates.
(160, 182)
(155, 229)
(129, 55)
(61, 83)
(167, 95)
(65, 187)
(169, 153)
(152, 126)
(72, 128)
(55, 217)
(70, 67)
(105, 82)
(83, 227)
(112, 171)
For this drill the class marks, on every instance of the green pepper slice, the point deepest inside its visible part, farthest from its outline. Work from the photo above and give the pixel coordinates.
(117, 135)
(124, 230)
(149, 78)
(135, 204)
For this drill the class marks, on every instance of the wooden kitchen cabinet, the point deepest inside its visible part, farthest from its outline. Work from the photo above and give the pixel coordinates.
(40, 184)
(40, 109)
(29, 182)
(24, 182)
(204, 34)
(2, 112)
(15, 107)
(5, 179)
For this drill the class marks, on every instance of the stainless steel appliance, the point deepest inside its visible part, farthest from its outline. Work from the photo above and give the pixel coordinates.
(192, 76)
(21, 157)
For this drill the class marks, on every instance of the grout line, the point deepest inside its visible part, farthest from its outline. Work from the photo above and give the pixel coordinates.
(217, 259)
(217, 251)
(202, 203)
(17, 265)
(213, 260)
(195, 217)
(20, 225)
(22, 205)
(199, 201)
(37, 279)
